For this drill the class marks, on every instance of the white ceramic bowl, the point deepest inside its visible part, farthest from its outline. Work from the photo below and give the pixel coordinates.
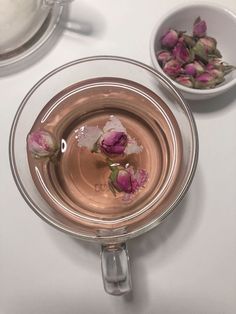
(221, 24)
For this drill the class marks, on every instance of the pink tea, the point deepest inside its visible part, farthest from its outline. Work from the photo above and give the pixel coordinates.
(75, 184)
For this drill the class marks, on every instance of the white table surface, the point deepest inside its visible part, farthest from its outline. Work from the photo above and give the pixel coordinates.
(187, 265)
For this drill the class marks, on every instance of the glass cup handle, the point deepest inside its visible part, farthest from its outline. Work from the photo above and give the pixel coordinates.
(116, 269)
(60, 2)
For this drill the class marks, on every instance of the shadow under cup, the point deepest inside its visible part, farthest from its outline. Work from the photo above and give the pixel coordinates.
(153, 112)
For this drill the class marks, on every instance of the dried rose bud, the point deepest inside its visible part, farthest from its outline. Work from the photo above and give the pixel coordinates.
(169, 39)
(189, 41)
(112, 140)
(217, 74)
(120, 180)
(210, 67)
(209, 44)
(205, 80)
(185, 80)
(126, 179)
(172, 68)
(199, 28)
(163, 56)
(182, 53)
(216, 63)
(42, 144)
(190, 69)
(113, 143)
(200, 52)
(194, 68)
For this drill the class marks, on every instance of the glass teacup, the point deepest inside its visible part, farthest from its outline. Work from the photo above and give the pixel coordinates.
(152, 110)
(21, 20)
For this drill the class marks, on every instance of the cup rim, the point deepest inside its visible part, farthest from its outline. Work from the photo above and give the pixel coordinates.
(104, 238)
(178, 8)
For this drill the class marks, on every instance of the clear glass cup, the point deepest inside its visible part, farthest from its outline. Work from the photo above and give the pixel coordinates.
(21, 21)
(114, 254)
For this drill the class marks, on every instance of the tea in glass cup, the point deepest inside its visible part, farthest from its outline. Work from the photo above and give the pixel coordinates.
(112, 148)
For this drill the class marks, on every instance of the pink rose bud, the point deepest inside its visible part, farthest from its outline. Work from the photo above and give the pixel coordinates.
(113, 143)
(209, 67)
(216, 63)
(163, 56)
(217, 74)
(126, 179)
(42, 144)
(194, 68)
(185, 80)
(182, 53)
(121, 181)
(172, 68)
(199, 28)
(169, 39)
(190, 69)
(205, 80)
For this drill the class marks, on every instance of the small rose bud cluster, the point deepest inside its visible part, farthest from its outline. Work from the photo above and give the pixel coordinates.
(114, 143)
(193, 61)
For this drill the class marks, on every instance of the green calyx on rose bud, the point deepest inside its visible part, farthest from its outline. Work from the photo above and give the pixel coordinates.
(200, 52)
(189, 41)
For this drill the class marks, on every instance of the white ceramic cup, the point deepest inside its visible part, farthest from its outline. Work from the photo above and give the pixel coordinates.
(21, 19)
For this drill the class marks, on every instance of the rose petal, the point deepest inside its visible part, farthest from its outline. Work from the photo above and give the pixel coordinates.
(127, 197)
(87, 136)
(132, 147)
(114, 124)
(141, 176)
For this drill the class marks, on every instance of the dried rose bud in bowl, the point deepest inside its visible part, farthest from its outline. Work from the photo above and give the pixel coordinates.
(192, 55)
(190, 47)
